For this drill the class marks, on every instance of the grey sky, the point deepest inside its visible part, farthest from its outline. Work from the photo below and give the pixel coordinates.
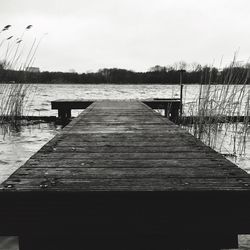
(86, 35)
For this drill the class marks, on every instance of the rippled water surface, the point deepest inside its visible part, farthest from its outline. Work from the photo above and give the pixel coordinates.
(19, 145)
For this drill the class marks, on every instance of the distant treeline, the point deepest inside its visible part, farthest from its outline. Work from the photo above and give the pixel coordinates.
(157, 74)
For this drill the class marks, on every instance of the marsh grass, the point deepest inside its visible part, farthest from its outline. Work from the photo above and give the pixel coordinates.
(218, 108)
(14, 96)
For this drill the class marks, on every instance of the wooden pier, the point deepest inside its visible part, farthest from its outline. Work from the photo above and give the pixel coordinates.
(171, 106)
(121, 176)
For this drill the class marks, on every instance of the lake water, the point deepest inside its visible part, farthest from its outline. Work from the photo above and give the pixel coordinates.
(18, 145)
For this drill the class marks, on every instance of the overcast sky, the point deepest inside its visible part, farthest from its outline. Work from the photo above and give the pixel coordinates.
(87, 35)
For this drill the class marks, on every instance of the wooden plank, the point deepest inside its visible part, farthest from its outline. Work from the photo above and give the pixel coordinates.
(130, 184)
(135, 163)
(67, 136)
(82, 172)
(124, 149)
(130, 143)
(165, 155)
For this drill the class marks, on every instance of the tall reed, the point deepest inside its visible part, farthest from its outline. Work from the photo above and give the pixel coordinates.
(219, 107)
(14, 95)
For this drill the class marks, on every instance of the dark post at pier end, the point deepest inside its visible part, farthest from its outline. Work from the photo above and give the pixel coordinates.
(182, 71)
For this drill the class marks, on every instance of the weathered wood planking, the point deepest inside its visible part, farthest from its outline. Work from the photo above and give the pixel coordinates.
(120, 168)
(127, 130)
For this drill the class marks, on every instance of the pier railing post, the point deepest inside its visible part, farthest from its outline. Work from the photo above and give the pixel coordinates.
(181, 97)
(64, 113)
(172, 111)
(181, 91)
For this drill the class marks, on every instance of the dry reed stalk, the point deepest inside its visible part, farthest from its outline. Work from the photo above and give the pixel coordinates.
(14, 96)
(216, 102)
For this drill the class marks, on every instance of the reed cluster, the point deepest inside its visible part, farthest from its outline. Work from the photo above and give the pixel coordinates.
(13, 57)
(221, 110)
